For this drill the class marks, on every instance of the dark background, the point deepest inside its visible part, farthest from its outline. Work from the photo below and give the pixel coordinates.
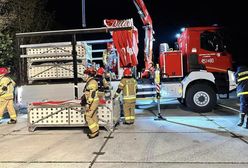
(168, 17)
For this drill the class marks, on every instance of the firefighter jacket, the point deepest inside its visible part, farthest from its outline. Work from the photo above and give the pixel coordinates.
(91, 91)
(102, 83)
(129, 86)
(241, 77)
(6, 88)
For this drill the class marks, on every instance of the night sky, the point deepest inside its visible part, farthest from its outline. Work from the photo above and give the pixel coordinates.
(168, 17)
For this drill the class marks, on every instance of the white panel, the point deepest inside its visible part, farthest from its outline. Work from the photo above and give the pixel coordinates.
(42, 72)
(171, 90)
(62, 115)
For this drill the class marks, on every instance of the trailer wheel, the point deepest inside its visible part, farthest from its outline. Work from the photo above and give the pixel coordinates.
(201, 98)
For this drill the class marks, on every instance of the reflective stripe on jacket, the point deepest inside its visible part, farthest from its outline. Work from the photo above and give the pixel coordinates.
(242, 80)
(128, 86)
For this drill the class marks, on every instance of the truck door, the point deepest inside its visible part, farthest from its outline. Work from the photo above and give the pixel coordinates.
(214, 54)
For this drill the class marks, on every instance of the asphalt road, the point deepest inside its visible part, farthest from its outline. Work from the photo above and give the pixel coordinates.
(185, 139)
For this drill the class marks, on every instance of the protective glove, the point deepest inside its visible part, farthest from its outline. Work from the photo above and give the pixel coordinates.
(4, 88)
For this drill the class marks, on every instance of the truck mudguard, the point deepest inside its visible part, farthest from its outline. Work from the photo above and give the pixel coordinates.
(196, 75)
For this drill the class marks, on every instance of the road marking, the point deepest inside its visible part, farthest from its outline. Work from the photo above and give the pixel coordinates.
(230, 108)
(232, 134)
(100, 150)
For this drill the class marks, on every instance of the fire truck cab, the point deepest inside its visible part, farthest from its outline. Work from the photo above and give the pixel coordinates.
(200, 68)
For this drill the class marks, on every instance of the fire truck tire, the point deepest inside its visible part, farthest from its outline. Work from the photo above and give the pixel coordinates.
(201, 98)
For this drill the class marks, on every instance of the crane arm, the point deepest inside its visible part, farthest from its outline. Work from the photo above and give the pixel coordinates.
(148, 41)
(143, 12)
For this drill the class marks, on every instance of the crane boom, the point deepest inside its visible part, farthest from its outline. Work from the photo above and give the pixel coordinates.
(148, 41)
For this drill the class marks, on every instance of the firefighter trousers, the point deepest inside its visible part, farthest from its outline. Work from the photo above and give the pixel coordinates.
(10, 107)
(244, 104)
(128, 108)
(91, 118)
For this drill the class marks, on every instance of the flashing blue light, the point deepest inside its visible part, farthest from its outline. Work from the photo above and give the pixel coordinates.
(182, 29)
(178, 35)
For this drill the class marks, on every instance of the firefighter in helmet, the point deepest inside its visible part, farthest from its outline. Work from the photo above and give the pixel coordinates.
(90, 100)
(102, 82)
(6, 96)
(128, 86)
(241, 77)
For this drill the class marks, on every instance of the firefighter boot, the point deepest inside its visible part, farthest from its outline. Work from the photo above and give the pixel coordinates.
(91, 136)
(12, 121)
(242, 118)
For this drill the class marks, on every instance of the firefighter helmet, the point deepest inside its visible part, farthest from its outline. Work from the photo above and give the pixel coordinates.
(127, 72)
(100, 71)
(3, 71)
(90, 71)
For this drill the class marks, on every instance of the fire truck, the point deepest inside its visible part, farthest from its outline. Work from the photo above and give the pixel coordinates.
(201, 65)
(195, 73)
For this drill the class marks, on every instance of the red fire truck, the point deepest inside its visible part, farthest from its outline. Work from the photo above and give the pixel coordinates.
(194, 73)
(201, 64)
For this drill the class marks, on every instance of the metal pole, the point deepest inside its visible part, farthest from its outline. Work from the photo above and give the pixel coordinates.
(83, 14)
(157, 83)
(72, 31)
(19, 76)
(75, 73)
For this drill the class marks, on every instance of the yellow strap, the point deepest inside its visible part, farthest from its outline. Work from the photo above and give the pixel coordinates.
(93, 125)
(93, 99)
(121, 84)
(7, 95)
(130, 118)
(127, 89)
(244, 78)
(13, 116)
(242, 93)
(129, 97)
(96, 99)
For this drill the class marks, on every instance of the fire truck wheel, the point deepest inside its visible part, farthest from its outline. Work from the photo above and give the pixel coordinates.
(201, 98)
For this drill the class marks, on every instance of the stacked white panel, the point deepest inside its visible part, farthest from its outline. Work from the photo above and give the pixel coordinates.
(55, 61)
(59, 71)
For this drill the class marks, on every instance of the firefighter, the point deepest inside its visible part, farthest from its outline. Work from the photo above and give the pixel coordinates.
(102, 83)
(129, 86)
(241, 77)
(6, 96)
(90, 100)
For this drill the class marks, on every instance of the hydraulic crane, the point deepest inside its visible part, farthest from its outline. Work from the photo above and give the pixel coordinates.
(148, 41)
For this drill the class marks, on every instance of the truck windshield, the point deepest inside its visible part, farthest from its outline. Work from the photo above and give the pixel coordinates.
(212, 41)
